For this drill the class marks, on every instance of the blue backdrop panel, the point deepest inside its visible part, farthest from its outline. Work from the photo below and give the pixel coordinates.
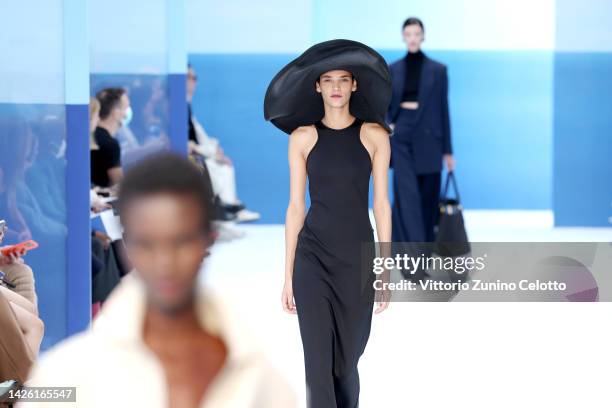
(178, 116)
(33, 202)
(149, 130)
(501, 112)
(229, 104)
(583, 139)
(78, 281)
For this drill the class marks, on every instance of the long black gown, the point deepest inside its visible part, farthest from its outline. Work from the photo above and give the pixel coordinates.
(333, 294)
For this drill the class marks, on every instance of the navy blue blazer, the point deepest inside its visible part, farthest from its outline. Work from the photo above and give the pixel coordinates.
(430, 138)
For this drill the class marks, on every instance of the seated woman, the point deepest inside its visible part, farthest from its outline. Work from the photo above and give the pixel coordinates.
(17, 287)
(22, 329)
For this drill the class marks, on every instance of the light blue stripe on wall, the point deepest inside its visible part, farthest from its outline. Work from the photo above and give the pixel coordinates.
(246, 26)
(31, 52)
(583, 26)
(76, 52)
(177, 37)
(128, 36)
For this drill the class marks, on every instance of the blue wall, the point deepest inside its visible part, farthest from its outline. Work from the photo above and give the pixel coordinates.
(528, 93)
(47, 50)
(583, 120)
(583, 139)
(44, 166)
(501, 110)
(149, 60)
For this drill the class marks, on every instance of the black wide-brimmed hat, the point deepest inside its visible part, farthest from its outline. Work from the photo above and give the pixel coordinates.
(292, 101)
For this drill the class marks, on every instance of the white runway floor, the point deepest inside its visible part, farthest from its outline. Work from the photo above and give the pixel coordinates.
(441, 354)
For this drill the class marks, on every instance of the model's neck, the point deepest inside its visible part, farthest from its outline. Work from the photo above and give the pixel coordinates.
(337, 118)
(162, 322)
(110, 126)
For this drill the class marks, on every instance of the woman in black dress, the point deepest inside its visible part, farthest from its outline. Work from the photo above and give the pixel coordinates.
(338, 137)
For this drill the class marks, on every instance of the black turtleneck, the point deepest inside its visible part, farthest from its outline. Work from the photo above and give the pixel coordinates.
(414, 62)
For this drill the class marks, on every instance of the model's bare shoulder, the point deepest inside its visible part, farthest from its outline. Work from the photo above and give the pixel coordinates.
(303, 139)
(304, 132)
(375, 133)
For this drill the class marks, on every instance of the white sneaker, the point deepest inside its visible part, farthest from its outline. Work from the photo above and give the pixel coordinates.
(247, 215)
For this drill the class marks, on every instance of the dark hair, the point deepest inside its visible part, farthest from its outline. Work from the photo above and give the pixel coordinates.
(166, 173)
(413, 21)
(109, 99)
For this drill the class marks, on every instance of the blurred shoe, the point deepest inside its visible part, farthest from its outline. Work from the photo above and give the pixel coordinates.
(233, 208)
(226, 231)
(224, 215)
(247, 215)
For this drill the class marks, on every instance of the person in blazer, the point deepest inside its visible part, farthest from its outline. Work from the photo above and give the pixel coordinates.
(421, 139)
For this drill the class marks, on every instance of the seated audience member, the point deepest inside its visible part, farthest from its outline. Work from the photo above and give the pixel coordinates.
(46, 166)
(115, 112)
(16, 356)
(222, 219)
(106, 265)
(220, 167)
(96, 202)
(163, 337)
(18, 292)
(16, 286)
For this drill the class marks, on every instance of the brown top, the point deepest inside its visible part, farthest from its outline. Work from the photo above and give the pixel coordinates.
(22, 277)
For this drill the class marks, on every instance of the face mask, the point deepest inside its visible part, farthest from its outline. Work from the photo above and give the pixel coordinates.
(128, 117)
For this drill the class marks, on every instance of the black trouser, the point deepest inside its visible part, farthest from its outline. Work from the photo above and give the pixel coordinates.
(429, 190)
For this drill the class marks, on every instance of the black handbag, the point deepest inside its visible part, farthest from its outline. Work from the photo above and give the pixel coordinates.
(451, 237)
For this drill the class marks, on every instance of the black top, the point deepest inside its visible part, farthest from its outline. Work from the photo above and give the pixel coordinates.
(108, 156)
(414, 63)
(338, 169)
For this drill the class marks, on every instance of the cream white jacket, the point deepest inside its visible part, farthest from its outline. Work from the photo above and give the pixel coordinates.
(110, 365)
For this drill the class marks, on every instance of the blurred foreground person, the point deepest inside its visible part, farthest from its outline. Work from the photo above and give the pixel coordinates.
(161, 339)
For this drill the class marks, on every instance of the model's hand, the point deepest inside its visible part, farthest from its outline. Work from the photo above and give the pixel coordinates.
(449, 160)
(287, 298)
(106, 240)
(5, 260)
(99, 206)
(12, 257)
(381, 307)
(383, 297)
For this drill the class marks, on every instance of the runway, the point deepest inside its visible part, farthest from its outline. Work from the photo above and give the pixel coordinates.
(415, 357)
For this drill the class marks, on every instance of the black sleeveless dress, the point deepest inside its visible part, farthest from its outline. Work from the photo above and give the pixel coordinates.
(333, 294)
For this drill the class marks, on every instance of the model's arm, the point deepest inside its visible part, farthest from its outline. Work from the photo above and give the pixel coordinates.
(115, 175)
(380, 170)
(115, 172)
(300, 143)
(382, 209)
